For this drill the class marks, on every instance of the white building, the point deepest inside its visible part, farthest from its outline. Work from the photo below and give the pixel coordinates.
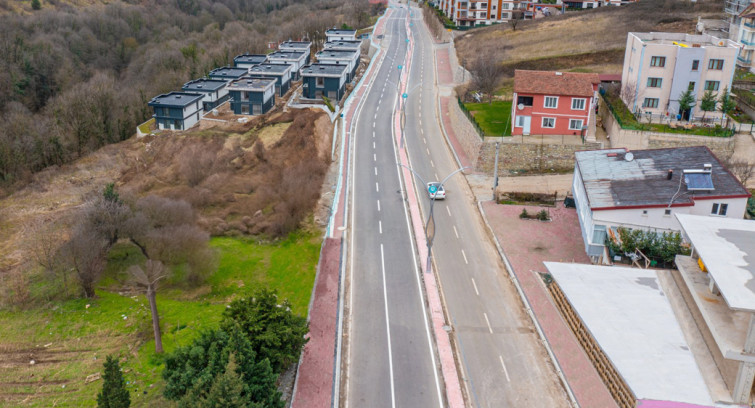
(660, 67)
(214, 91)
(469, 13)
(746, 36)
(337, 34)
(646, 188)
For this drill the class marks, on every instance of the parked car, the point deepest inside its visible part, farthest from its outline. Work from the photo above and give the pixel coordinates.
(435, 190)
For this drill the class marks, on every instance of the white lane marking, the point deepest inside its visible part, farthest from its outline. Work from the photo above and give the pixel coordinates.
(465, 257)
(375, 116)
(475, 287)
(388, 327)
(487, 321)
(428, 152)
(373, 125)
(456, 232)
(376, 171)
(505, 371)
(377, 188)
(420, 123)
(374, 157)
(424, 140)
(436, 176)
(378, 201)
(449, 211)
(380, 226)
(431, 163)
(373, 145)
(373, 133)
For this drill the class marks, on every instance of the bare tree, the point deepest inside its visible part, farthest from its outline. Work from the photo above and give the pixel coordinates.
(627, 93)
(516, 17)
(433, 22)
(485, 72)
(85, 254)
(45, 247)
(147, 279)
(742, 169)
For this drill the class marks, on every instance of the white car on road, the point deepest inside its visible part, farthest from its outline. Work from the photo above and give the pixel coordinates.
(435, 190)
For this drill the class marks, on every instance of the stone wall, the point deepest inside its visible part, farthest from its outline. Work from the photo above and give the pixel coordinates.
(637, 140)
(466, 134)
(530, 158)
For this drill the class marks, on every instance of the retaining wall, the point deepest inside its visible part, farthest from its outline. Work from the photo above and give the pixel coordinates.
(530, 158)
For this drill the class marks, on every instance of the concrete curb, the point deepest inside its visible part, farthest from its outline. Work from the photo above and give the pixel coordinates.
(527, 307)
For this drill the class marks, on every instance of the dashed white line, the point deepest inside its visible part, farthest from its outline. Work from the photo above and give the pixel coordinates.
(373, 133)
(377, 188)
(374, 157)
(456, 232)
(373, 145)
(376, 171)
(505, 371)
(431, 163)
(428, 152)
(465, 257)
(449, 211)
(475, 287)
(380, 226)
(387, 327)
(378, 201)
(488, 322)
(424, 140)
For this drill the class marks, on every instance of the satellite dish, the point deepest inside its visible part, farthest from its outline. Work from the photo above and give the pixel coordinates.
(520, 106)
(629, 156)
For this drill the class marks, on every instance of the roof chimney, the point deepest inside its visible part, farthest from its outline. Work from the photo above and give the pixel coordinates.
(707, 167)
(670, 174)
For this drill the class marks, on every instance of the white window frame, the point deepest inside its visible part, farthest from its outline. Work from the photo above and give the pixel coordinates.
(719, 209)
(542, 123)
(545, 102)
(519, 121)
(583, 100)
(581, 122)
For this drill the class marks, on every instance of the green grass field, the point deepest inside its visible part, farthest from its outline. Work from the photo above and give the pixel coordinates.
(494, 119)
(69, 340)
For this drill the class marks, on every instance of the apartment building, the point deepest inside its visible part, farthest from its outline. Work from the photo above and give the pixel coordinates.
(732, 11)
(660, 67)
(746, 36)
(469, 13)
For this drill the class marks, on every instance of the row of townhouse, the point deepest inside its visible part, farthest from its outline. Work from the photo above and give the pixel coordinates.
(254, 80)
(470, 13)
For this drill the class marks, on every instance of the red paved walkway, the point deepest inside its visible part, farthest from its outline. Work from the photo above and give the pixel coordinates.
(527, 243)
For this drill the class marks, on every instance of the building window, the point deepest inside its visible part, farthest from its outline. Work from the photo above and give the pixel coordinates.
(549, 123)
(520, 120)
(719, 209)
(658, 62)
(166, 112)
(650, 103)
(712, 85)
(551, 102)
(644, 213)
(505, 6)
(695, 65)
(717, 64)
(575, 124)
(667, 212)
(320, 81)
(524, 100)
(578, 104)
(655, 82)
(691, 86)
(504, 15)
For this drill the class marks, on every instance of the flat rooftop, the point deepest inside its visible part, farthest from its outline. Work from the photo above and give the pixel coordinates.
(319, 69)
(336, 54)
(300, 45)
(727, 248)
(630, 317)
(614, 178)
(345, 44)
(685, 40)
(251, 84)
(204, 85)
(229, 72)
(175, 99)
(250, 58)
(273, 69)
(338, 31)
(292, 55)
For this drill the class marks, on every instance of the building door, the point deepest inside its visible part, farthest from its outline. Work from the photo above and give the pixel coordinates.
(525, 123)
(256, 109)
(244, 109)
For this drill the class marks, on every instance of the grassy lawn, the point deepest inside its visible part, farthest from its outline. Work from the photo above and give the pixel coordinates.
(146, 127)
(494, 119)
(69, 340)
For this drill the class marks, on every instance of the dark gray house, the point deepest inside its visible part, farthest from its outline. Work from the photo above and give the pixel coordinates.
(337, 34)
(249, 60)
(296, 59)
(343, 45)
(252, 96)
(301, 46)
(348, 58)
(228, 73)
(324, 79)
(177, 110)
(214, 91)
(280, 72)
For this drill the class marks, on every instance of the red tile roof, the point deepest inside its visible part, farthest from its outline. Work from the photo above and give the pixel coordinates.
(554, 83)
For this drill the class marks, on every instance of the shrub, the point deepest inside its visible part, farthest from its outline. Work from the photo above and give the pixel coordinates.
(524, 215)
(114, 393)
(660, 247)
(543, 215)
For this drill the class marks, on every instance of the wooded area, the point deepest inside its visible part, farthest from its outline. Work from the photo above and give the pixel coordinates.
(75, 79)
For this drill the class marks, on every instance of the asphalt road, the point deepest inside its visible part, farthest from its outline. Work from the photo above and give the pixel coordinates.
(392, 361)
(504, 362)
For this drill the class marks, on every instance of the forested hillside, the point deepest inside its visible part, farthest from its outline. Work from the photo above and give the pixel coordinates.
(73, 79)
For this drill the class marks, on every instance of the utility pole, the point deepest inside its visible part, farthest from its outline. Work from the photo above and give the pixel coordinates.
(495, 169)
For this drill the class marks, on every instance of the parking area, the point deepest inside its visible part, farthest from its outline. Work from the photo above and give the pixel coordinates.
(527, 243)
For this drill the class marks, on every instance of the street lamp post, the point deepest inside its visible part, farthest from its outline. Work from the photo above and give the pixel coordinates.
(430, 233)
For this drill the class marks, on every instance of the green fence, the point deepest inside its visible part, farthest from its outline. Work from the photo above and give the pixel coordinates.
(471, 118)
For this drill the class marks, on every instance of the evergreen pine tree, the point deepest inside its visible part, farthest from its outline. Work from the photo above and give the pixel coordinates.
(36, 5)
(114, 393)
(227, 391)
(708, 102)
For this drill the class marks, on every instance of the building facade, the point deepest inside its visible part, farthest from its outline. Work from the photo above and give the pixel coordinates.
(280, 72)
(337, 34)
(348, 58)
(644, 189)
(554, 103)
(214, 91)
(320, 80)
(470, 13)
(176, 110)
(249, 60)
(252, 96)
(301, 46)
(227, 73)
(745, 35)
(296, 59)
(660, 67)
(343, 45)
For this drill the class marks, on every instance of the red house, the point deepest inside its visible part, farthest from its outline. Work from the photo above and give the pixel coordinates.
(554, 103)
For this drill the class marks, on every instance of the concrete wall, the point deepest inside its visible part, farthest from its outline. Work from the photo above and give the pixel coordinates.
(466, 134)
(530, 158)
(637, 140)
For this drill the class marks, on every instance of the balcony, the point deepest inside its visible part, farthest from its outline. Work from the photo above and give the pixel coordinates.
(749, 25)
(748, 43)
(743, 61)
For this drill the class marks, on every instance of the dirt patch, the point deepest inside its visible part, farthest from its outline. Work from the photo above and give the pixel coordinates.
(270, 135)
